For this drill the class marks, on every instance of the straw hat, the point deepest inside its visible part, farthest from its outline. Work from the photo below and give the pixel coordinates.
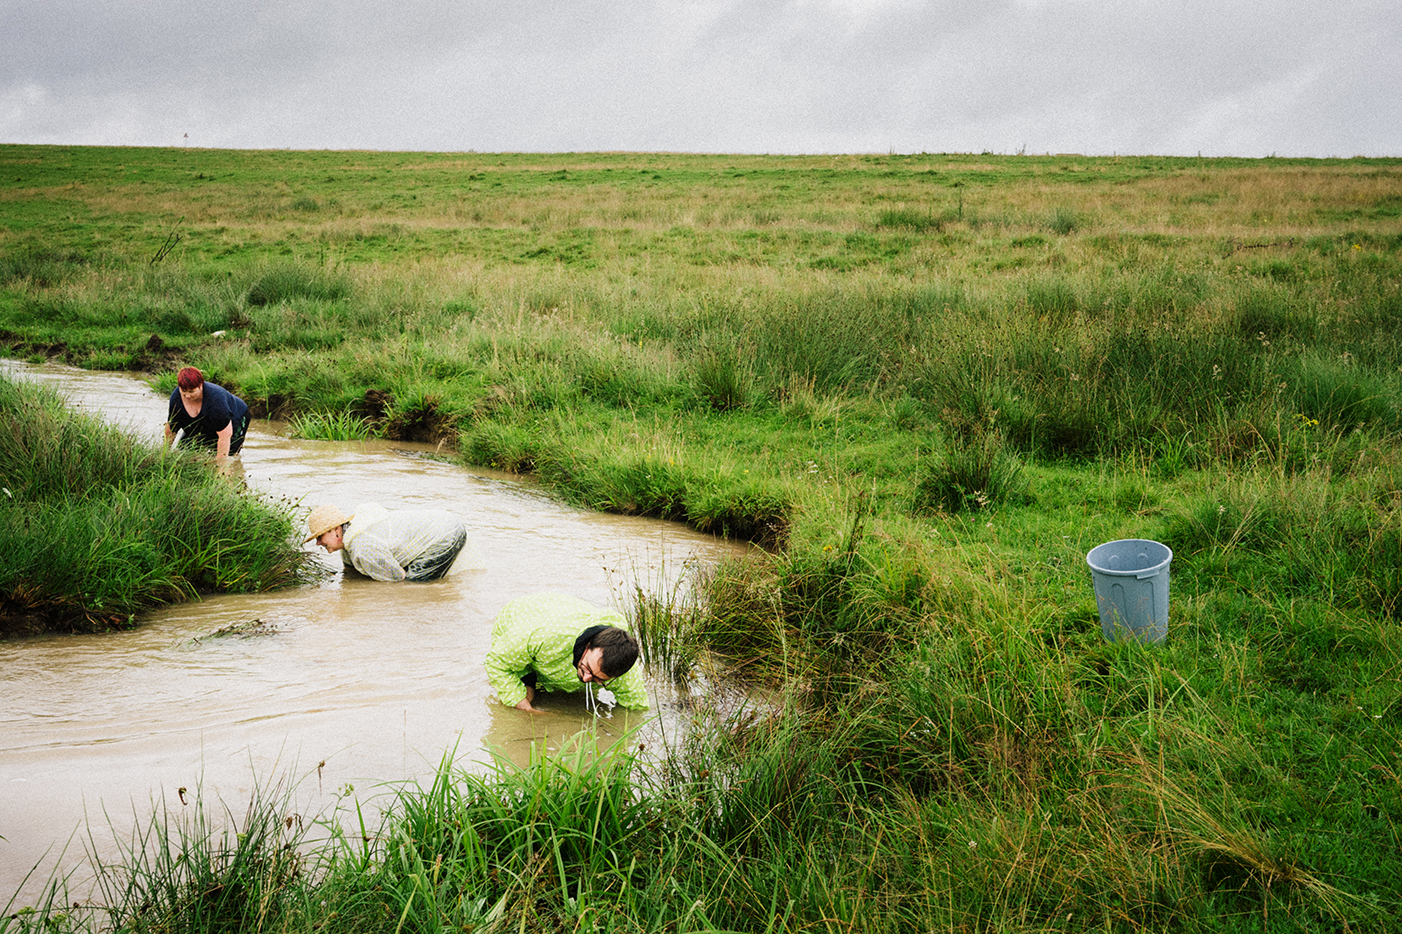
(323, 519)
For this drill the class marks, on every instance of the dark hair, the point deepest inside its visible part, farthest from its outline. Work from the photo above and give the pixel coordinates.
(189, 378)
(620, 651)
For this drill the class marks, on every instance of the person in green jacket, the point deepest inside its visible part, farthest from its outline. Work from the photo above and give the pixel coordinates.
(552, 642)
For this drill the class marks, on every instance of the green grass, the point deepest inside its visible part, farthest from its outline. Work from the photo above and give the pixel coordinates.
(95, 527)
(317, 426)
(976, 789)
(929, 384)
(972, 474)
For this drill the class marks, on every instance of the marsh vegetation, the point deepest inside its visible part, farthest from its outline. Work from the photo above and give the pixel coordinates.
(928, 384)
(96, 527)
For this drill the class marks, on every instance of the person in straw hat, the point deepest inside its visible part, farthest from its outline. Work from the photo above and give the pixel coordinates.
(407, 544)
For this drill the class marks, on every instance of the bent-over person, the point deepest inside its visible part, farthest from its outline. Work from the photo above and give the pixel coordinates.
(398, 545)
(205, 415)
(553, 642)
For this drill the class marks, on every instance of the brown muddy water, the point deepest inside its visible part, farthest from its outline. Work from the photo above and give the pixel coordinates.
(341, 689)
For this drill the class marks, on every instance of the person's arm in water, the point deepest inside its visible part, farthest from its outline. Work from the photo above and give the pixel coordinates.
(505, 677)
(171, 412)
(222, 438)
(526, 704)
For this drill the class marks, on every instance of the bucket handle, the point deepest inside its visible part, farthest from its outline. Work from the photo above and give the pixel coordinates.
(1145, 575)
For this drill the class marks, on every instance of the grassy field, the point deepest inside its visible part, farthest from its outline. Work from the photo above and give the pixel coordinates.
(929, 384)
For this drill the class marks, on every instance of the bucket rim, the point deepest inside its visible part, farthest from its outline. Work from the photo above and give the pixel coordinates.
(1127, 572)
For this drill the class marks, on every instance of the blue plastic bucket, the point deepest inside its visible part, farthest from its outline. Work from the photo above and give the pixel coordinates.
(1131, 588)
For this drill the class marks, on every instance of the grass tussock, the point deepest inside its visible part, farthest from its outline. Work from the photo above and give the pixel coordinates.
(341, 426)
(972, 474)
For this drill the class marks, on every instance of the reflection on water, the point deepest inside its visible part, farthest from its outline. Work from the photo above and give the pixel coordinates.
(377, 681)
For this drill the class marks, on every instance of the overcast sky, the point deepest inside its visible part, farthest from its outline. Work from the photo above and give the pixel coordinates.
(1220, 77)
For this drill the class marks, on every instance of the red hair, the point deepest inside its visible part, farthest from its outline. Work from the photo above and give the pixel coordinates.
(189, 378)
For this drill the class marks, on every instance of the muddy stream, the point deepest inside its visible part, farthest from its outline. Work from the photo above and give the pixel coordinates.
(348, 683)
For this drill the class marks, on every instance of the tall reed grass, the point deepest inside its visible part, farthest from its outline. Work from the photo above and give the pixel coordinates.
(922, 808)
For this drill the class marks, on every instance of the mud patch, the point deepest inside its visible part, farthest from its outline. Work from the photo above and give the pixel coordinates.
(420, 420)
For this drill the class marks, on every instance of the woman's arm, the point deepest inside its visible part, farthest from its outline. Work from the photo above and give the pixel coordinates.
(222, 439)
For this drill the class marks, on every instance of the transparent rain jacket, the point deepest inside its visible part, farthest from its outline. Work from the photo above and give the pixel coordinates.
(388, 545)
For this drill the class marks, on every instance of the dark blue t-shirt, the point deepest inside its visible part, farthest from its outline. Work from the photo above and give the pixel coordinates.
(219, 408)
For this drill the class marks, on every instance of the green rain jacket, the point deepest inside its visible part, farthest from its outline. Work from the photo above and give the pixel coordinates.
(537, 633)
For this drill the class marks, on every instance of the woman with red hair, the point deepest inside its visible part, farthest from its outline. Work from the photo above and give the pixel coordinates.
(209, 415)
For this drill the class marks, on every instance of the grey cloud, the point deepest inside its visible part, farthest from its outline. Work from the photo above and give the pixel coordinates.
(715, 75)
